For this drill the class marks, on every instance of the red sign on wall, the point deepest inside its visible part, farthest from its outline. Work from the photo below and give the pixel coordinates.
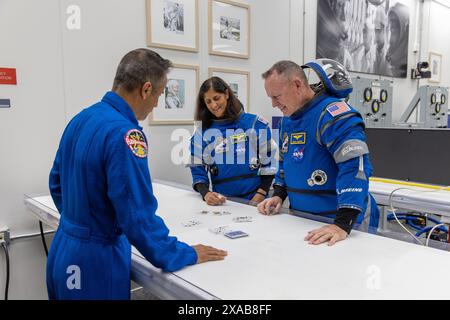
(8, 76)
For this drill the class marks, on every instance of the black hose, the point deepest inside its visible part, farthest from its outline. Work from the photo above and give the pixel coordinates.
(5, 248)
(41, 227)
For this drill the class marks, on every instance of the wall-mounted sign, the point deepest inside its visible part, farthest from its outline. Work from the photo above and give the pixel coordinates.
(5, 103)
(8, 76)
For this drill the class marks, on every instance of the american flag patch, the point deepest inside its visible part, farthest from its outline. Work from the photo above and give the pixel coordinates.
(338, 108)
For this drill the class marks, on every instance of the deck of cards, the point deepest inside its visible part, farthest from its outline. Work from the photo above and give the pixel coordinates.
(235, 234)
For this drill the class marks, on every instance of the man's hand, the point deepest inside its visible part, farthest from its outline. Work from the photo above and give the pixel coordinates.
(330, 233)
(257, 198)
(270, 206)
(207, 253)
(214, 199)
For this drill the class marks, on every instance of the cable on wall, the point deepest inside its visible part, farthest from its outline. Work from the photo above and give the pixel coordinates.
(5, 248)
(44, 243)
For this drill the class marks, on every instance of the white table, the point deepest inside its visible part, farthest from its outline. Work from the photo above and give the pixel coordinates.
(275, 263)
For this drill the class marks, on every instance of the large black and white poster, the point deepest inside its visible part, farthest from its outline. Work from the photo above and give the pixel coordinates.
(369, 36)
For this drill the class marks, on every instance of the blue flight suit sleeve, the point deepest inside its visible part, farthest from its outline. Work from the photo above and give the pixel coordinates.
(345, 139)
(55, 182)
(131, 193)
(197, 165)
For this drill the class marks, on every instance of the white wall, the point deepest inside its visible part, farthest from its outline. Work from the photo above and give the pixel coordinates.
(30, 130)
(438, 39)
(61, 72)
(270, 25)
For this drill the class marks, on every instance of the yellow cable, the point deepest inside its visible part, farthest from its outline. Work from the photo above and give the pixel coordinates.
(410, 184)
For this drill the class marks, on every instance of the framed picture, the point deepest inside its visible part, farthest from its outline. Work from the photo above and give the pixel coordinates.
(229, 29)
(177, 103)
(172, 24)
(360, 34)
(435, 67)
(239, 81)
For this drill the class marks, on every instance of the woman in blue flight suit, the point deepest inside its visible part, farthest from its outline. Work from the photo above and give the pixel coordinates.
(233, 146)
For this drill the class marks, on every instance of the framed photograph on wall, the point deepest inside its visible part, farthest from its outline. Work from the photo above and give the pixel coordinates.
(435, 67)
(229, 29)
(172, 24)
(239, 81)
(177, 103)
(369, 37)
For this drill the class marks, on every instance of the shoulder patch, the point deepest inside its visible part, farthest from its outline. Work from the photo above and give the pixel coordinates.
(264, 121)
(285, 146)
(338, 108)
(135, 140)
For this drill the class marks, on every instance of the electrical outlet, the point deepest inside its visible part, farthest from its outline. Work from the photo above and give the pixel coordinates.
(4, 235)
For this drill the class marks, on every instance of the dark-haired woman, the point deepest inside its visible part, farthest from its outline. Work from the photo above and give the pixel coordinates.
(234, 147)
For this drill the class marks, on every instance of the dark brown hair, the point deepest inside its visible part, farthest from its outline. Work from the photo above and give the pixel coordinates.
(139, 66)
(202, 113)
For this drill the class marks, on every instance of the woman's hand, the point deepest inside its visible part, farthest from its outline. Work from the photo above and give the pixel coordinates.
(270, 206)
(214, 199)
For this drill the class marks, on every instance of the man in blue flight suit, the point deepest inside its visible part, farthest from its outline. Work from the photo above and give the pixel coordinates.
(101, 185)
(324, 165)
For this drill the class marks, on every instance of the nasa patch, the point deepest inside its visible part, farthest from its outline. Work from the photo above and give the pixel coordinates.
(298, 154)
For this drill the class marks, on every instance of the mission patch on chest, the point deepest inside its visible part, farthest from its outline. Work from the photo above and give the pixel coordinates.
(298, 138)
(238, 138)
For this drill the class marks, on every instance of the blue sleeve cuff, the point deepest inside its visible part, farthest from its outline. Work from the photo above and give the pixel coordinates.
(192, 257)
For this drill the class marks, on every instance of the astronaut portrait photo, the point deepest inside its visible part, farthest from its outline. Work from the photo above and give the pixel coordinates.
(174, 94)
(368, 36)
(235, 88)
(230, 28)
(173, 17)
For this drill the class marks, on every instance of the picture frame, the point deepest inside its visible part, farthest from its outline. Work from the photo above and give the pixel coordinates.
(238, 80)
(229, 29)
(173, 24)
(435, 67)
(177, 103)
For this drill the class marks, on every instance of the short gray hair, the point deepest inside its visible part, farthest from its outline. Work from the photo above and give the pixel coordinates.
(140, 66)
(287, 68)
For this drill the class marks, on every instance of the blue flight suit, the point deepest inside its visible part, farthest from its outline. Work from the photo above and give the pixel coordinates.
(324, 161)
(236, 154)
(101, 185)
